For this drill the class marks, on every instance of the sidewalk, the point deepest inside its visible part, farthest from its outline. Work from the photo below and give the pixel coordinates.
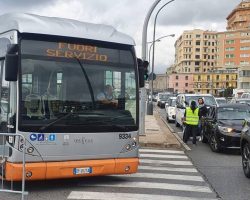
(157, 134)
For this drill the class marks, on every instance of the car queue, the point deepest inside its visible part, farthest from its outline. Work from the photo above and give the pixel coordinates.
(226, 125)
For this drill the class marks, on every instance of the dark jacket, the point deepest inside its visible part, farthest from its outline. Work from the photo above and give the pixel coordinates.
(203, 111)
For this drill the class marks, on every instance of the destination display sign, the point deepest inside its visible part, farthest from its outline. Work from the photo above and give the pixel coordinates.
(84, 52)
(79, 51)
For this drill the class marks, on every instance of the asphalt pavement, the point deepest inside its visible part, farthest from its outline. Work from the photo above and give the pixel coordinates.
(223, 171)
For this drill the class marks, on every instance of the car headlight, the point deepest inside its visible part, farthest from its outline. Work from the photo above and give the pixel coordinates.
(225, 129)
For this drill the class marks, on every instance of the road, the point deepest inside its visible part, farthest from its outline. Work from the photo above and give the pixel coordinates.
(222, 170)
(163, 175)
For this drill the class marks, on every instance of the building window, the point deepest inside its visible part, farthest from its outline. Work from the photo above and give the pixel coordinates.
(208, 78)
(186, 84)
(199, 78)
(176, 77)
(229, 41)
(217, 77)
(198, 42)
(208, 91)
(244, 48)
(197, 49)
(245, 41)
(229, 55)
(198, 36)
(197, 56)
(198, 90)
(244, 55)
(244, 63)
(186, 91)
(227, 84)
(227, 77)
(186, 77)
(197, 63)
(230, 49)
(229, 63)
(176, 84)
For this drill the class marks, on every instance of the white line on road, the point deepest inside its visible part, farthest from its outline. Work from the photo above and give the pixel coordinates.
(162, 156)
(165, 176)
(171, 169)
(151, 185)
(124, 196)
(160, 151)
(148, 161)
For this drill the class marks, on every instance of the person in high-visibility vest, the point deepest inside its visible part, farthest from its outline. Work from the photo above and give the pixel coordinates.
(191, 120)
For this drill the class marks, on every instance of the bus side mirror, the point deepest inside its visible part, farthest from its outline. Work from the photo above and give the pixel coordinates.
(11, 63)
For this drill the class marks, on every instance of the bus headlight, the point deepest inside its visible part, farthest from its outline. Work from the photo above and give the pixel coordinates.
(30, 150)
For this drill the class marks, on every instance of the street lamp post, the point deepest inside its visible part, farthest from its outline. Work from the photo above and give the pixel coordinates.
(149, 54)
(150, 105)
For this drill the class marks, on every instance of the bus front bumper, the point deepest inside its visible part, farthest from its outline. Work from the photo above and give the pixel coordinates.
(70, 169)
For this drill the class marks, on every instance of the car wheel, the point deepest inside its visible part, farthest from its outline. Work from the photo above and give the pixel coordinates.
(246, 160)
(214, 145)
(203, 137)
(177, 124)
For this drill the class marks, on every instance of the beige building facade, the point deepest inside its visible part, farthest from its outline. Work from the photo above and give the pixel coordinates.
(239, 18)
(160, 84)
(195, 51)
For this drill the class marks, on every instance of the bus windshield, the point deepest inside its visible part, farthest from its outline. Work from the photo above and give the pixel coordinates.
(68, 87)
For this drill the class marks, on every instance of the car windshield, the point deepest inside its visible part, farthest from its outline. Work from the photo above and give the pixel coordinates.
(233, 113)
(172, 102)
(221, 101)
(163, 97)
(209, 100)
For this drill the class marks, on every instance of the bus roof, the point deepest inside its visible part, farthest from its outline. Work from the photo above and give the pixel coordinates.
(30, 23)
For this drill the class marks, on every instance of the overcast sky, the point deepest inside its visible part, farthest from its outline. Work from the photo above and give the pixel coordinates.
(128, 16)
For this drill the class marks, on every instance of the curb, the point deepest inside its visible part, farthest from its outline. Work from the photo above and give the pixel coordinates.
(160, 145)
(176, 135)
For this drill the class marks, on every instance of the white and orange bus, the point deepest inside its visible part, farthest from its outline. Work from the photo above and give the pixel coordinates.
(52, 71)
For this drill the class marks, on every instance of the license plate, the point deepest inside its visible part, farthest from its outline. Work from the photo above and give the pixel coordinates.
(84, 170)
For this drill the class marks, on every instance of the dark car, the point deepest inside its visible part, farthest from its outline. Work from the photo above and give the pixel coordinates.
(162, 99)
(223, 125)
(245, 148)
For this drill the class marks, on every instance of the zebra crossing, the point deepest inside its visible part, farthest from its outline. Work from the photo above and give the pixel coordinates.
(162, 175)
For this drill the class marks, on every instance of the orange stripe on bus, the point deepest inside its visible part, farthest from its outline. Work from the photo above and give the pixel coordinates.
(59, 170)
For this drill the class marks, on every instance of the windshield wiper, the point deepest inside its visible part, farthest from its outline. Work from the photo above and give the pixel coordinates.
(64, 117)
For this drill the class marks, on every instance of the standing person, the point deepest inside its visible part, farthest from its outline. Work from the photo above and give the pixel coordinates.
(191, 120)
(202, 114)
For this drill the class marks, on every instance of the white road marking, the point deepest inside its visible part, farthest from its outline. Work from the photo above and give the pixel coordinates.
(125, 196)
(162, 156)
(148, 161)
(151, 185)
(166, 176)
(171, 169)
(160, 151)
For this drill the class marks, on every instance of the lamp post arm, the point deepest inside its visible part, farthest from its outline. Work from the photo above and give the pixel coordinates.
(153, 57)
(145, 29)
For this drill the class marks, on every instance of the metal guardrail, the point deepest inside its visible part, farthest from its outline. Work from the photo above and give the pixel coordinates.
(5, 150)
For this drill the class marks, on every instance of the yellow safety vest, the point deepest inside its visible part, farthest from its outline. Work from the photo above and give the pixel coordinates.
(192, 118)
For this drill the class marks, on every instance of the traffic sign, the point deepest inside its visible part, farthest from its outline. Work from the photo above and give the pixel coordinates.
(150, 76)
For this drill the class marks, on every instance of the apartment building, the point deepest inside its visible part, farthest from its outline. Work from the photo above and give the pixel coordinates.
(195, 51)
(233, 49)
(180, 83)
(239, 18)
(213, 82)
